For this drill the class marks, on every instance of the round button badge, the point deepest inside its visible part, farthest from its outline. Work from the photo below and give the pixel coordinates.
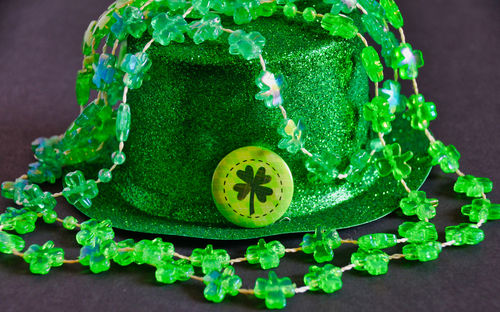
(252, 187)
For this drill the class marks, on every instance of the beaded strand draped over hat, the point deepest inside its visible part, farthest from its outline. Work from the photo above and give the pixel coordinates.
(101, 128)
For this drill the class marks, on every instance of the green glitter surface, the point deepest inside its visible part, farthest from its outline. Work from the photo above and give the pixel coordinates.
(199, 105)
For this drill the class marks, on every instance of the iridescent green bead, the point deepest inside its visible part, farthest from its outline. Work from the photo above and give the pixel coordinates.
(125, 252)
(321, 244)
(208, 28)
(344, 6)
(96, 257)
(375, 262)
(153, 252)
(14, 190)
(391, 90)
(375, 26)
(267, 254)
(323, 167)
(418, 232)
(464, 234)
(422, 252)
(92, 230)
(169, 272)
(118, 157)
(372, 64)
(481, 210)
(210, 259)
(36, 200)
(394, 162)
(20, 220)
(79, 191)
(327, 278)
(309, 14)
(249, 46)
(70, 223)
(42, 258)
(389, 44)
(290, 10)
(339, 26)
(105, 175)
(135, 66)
(358, 162)
(274, 290)
(271, 86)
(420, 112)
(392, 13)
(49, 216)
(407, 61)
(123, 122)
(10, 242)
(376, 145)
(446, 156)
(379, 113)
(82, 87)
(218, 284)
(133, 21)
(167, 29)
(293, 135)
(104, 71)
(417, 203)
(377, 241)
(472, 186)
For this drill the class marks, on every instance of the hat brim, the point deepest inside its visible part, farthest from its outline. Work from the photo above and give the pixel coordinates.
(379, 199)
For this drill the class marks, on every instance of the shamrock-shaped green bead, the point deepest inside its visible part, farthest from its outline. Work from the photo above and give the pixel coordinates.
(372, 64)
(423, 252)
(358, 162)
(375, 262)
(270, 86)
(407, 61)
(175, 5)
(267, 9)
(202, 6)
(446, 156)
(293, 135)
(244, 11)
(339, 26)
(321, 244)
(372, 7)
(420, 112)
(42, 258)
(323, 167)
(79, 191)
(131, 22)
(392, 13)
(377, 241)
(327, 278)
(14, 190)
(10, 242)
(391, 90)
(170, 271)
(20, 220)
(378, 111)
(472, 186)
(218, 284)
(267, 254)
(97, 255)
(125, 252)
(375, 26)
(167, 29)
(249, 46)
(210, 259)
(418, 232)
(394, 162)
(344, 6)
(36, 200)
(464, 234)
(417, 203)
(481, 210)
(153, 252)
(208, 28)
(274, 290)
(104, 71)
(92, 230)
(136, 66)
(50, 160)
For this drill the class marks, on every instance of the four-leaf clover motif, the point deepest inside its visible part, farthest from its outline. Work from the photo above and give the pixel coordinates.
(267, 254)
(218, 284)
(79, 191)
(253, 185)
(274, 290)
(394, 162)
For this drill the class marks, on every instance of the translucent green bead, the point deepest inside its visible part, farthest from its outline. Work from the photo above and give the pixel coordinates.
(376, 145)
(375, 26)
(379, 113)
(339, 26)
(267, 9)
(82, 87)
(358, 162)
(418, 232)
(167, 29)
(208, 28)
(420, 112)
(10, 242)
(175, 5)
(344, 6)
(36, 200)
(70, 223)
(481, 210)
(321, 244)
(133, 21)
(218, 284)
(202, 6)
(244, 11)
(290, 10)
(118, 157)
(464, 234)
(372, 64)
(135, 66)
(249, 46)
(293, 135)
(377, 241)
(20, 220)
(392, 13)
(407, 61)
(375, 262)
(78, 191)
(123, 122)
(96, 256)
(14, 190)
(92, 230)
(323, 167)
(274, 290)
(446, 156)
(42, 258)
(153, 252)
(327, 278)
(372, 7)
(50, 216)
(124, 257)
(270, 86)
(422, 252)
(417, 203)
(472, 186)
(394, 162)
(105, 175)
(169, 272)
(391, 90)
(267, 254)
(210, 259)
(309, 14)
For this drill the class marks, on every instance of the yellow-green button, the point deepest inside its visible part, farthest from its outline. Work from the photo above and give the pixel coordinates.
(252, 187)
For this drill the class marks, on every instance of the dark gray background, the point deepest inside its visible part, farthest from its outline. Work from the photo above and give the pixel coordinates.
(39, 55)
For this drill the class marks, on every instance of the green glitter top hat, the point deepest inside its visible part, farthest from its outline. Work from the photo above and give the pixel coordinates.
(199, 105)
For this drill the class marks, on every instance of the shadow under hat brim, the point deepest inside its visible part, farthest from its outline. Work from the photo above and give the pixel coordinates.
(379, 199)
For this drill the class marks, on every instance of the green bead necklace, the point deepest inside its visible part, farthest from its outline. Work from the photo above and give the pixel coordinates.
(106, 130)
